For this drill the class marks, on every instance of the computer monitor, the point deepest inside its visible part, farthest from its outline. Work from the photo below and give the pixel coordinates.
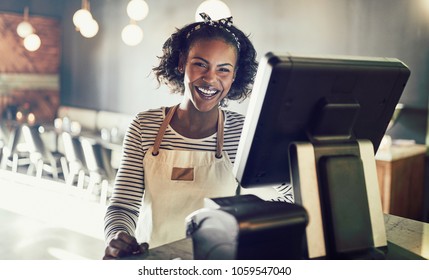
(317, 99)
(316, 122)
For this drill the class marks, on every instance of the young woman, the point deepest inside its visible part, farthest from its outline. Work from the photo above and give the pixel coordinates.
(175, 157)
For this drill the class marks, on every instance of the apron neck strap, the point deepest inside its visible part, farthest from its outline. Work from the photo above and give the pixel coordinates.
(219, 137)
(166, 122)
(162, 130)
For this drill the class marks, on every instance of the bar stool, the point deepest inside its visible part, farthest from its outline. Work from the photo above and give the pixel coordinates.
(75, 160)
(12, 156)
(109, 166)
(3, 139)
(41, 159)
(95, 164)
(2, 144)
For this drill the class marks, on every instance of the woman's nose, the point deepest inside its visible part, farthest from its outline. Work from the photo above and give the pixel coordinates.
(209, 76)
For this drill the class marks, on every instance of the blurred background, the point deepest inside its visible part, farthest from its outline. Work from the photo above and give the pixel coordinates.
(103, 73)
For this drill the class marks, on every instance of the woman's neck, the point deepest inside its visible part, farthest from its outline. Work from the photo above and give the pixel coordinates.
(191, 123)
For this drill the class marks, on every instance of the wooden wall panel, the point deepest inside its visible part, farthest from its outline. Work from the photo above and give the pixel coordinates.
(24, 74)
(14, 58)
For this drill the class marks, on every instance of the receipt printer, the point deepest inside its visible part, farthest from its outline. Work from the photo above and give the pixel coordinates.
(247, 227)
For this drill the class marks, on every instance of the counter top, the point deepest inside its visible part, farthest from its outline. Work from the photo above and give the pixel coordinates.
(409, 234)
(400, 151)
(43, 219)
(402, 234)
(178, 250)
(52, 207)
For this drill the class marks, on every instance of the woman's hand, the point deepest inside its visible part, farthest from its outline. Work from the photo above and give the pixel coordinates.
(122, 245)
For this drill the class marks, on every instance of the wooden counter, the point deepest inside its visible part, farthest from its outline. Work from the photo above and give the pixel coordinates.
(400, 172)
(402, 233)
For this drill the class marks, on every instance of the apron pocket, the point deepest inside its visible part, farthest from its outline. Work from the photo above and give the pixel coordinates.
(182, 174)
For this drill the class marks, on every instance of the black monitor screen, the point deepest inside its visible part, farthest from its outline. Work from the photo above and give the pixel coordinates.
(314, 99)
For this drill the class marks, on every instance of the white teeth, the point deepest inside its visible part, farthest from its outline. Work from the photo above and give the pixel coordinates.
(207, 92)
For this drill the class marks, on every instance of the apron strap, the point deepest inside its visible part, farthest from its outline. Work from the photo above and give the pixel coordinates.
(166, 122)
(219, 138)
(162, 130)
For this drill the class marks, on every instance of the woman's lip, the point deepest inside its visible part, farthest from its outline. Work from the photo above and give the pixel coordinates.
(204, 95)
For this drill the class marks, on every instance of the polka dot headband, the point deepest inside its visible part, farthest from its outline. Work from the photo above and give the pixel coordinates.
(223, 23)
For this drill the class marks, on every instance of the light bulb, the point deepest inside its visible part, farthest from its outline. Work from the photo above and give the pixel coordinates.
(137, 9)
(19, 116)
(32, 42)
(24, 29)
(216, 9)
(89, 29)
(81, 17)
(31, 119)
(132, 34)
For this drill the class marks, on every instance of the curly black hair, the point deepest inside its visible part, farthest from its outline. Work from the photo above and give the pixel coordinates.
(181, 41)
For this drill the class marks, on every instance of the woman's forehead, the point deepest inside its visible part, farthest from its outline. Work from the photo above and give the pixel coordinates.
(212, 47)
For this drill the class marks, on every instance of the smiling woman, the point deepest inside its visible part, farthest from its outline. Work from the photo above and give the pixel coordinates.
(175, 157)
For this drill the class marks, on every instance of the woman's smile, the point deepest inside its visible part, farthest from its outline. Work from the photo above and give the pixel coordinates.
(207, 92)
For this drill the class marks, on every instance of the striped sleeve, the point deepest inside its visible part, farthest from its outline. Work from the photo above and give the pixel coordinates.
(123, 210)
(233, 127)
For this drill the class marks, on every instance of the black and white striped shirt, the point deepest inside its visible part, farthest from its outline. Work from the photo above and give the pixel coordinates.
(123, 211)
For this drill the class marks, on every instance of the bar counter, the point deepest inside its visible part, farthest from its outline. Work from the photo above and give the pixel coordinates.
(29, 206)
(407, 239)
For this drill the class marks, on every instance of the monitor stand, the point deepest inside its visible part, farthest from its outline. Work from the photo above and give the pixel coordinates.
(337, 184)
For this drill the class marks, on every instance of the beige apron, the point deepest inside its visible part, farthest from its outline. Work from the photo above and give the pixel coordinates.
(176, 182)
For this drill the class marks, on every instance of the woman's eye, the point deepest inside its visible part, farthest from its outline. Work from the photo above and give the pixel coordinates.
(200, 64)
(224, 70)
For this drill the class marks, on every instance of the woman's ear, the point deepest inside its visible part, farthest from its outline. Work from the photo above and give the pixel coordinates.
(181, 64)
(235, 74)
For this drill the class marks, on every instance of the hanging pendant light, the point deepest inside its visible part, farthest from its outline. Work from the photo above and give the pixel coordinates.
(89, 29)
(81, 16)
(24, 28)
(216, 9)
(132, 34)
(137, 9)
(84, 21)
(32, 42)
